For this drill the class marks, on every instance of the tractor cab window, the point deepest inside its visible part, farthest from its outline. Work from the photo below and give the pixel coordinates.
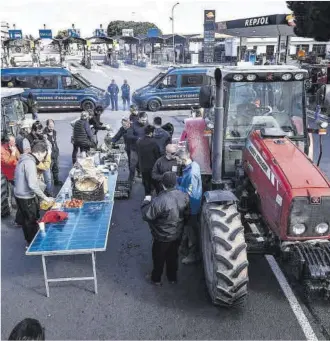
(264, 105)
(252, 106)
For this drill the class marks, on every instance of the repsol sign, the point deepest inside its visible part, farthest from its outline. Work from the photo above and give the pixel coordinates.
(261, 21)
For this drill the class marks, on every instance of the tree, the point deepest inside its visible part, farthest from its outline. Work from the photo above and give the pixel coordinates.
(312, 19)
(115, 27)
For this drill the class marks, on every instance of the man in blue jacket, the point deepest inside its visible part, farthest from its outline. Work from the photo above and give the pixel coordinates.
(126, 94)
(191, 183)
(113, 90)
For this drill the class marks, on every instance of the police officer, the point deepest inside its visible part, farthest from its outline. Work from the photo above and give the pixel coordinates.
(113, 90)
(126, 94)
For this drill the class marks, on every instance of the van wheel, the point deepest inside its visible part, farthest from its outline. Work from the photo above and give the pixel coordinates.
(154, 105)
(87, 106)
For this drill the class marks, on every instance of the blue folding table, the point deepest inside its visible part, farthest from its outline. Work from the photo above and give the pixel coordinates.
(84, 232)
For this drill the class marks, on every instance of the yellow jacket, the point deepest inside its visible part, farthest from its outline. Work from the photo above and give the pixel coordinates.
(45, 164)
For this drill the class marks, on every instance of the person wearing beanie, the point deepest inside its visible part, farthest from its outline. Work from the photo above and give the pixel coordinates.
(166, 215)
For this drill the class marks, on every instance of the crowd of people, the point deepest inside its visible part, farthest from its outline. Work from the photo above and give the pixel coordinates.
(171, 179)
(173, 191)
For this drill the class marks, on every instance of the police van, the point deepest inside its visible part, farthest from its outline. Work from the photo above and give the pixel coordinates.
(55, 88)
(176, 88)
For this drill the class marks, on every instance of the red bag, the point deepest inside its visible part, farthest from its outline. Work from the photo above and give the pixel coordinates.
(54, 217)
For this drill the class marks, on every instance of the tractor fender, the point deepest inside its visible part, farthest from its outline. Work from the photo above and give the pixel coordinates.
(198, 143)
(219, 195)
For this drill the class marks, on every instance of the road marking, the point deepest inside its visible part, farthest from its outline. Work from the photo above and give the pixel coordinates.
(295, 306)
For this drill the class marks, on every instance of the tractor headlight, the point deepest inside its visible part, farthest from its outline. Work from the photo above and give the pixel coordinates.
(322, 228)
(287, 76)
(299, 76)
(298, 229)
(238, 78)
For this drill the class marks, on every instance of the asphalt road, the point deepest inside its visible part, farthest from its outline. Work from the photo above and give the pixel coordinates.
(127, 307)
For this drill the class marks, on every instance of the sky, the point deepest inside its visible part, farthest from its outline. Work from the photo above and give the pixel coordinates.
(87, 15)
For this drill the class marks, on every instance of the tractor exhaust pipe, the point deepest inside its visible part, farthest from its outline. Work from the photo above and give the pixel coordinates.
(218, 133)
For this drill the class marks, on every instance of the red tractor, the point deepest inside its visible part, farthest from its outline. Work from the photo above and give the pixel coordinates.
(262, 192)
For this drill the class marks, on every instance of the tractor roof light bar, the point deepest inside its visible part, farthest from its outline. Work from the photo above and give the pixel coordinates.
(218, 131)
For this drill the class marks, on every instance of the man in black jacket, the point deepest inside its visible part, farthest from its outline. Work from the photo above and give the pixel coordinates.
(166, 215)
(124, 132)
(166, 163)
(133, 135)
(148, 152)
(95, 122)
(161, 136)
(82, 136)
(51, 134)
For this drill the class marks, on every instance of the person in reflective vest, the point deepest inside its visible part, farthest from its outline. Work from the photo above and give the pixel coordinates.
(113, 91)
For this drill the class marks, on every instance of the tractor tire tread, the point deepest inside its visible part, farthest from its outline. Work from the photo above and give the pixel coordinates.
(224, 240)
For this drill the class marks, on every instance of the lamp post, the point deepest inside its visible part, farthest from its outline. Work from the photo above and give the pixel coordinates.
(173, 30)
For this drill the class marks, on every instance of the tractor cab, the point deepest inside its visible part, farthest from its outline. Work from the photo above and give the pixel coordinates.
(255, 98)
(12, 111)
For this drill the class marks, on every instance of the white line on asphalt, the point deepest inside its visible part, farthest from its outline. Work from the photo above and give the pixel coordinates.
(295, 306)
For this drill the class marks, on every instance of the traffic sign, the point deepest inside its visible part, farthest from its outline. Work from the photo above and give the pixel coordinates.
(100, 32)
(45, 34)
(15, 34)
(153, 33)
(74, 33)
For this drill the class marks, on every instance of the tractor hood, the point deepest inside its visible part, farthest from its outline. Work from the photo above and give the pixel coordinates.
(297, 168)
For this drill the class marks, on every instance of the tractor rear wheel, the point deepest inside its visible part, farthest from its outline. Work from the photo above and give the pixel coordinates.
(224, 254)
(6, 206)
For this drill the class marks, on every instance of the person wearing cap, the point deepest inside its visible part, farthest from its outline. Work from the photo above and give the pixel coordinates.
(134, 116)
(148, 154)
(51, 135)
(22, 142)
(95, 122)
(166, 215)
(166, 163)
(125, 132)
(82, 136)
(44, 172)
(126, 94)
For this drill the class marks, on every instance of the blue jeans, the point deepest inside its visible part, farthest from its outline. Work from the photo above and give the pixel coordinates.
(126, 100)
(114, 102)
(35, 115)
(48, 180)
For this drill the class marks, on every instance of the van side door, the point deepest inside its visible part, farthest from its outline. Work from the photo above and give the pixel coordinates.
(190, 87)
(167, 91)
(71, 92)
(48, 91)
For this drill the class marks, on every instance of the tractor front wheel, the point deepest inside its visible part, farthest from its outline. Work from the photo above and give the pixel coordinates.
(224, 254)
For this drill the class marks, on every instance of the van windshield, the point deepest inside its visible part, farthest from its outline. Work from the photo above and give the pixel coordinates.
(156, 79)
(81, 79)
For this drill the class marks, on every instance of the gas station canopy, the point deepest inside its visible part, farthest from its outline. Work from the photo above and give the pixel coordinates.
(265, 26)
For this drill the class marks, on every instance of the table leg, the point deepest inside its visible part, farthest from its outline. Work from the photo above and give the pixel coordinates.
(94, 272)
(45, 274)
